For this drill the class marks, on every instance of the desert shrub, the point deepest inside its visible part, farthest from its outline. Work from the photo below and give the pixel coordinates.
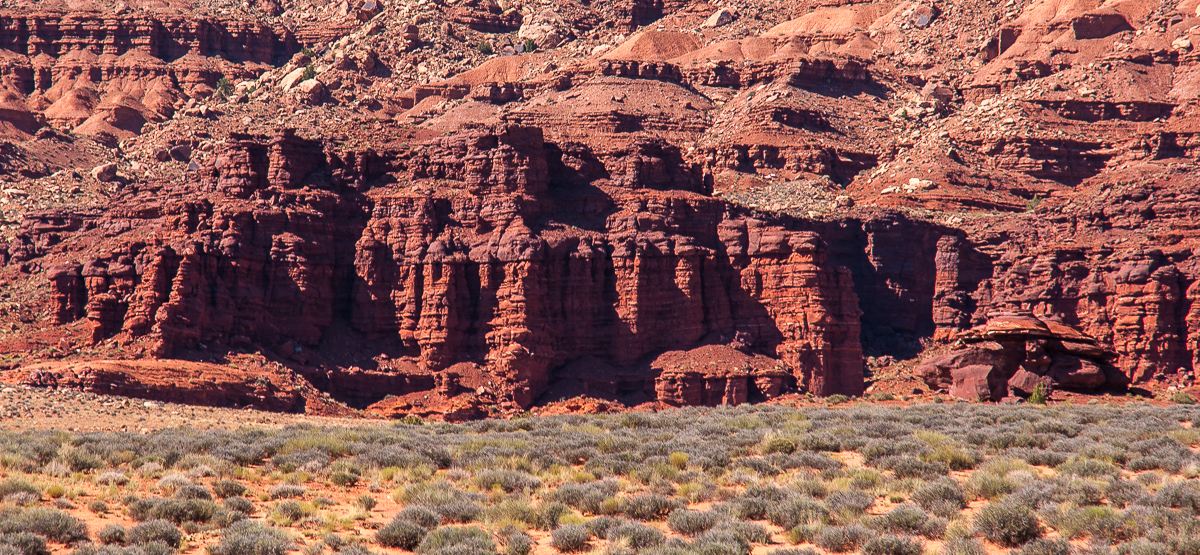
(849, 503)
(796, 510)
(570, 538)
(113, 533)
(962, 546)
(287, 491)
(893, 545)
(1123, 492)
(586, 498)
(750, 532)
(400, 533)
(193, 491)
(240, 505)
(53, 524)
(841, 539)
(81, 460)
(1141, 546)
(365, 502)
(508, 480)
(25, 542)
(17, 485)
(747, 508)
(648, 506)
(1089, 468)
(635, 535)
(456, 540)
(355, 549)
(156, 548)
(228, 488)
(691, 523)
(990, 486)
(1178, 495)
(421, 516)
(1183, 398)
(812, 488)
(251, 538)
(22, 498)
(112, 478)
(910, 467)
(334, 541)
(171, 482)
(156, 530)
(903, 519)
(290, 511)
(943, 497)
(343, 478)
(518, 544)
(98, 506)
(779, 445)
(549, 515)
(1007, 524)
(1047, 546)
(178, 511)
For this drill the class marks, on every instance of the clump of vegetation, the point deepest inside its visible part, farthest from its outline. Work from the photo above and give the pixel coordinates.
(401, 533)
(1007, 524)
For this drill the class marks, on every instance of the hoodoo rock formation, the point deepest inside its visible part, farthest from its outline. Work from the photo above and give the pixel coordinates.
(472, 208)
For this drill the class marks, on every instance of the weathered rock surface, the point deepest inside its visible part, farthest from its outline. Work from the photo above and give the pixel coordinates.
(1015, 353)
(464, 225)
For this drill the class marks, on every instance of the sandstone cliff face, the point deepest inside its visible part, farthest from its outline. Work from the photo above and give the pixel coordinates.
(486, 267)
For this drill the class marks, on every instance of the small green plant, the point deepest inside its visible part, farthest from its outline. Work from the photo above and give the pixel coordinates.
(837, 399)
(307, 52)
(530, 46)
(1039, 395)
(1183, 398)
(883, 396)
(309, 73)
(1033, 203)
(485, 48)
(224, 87)
(344, 479)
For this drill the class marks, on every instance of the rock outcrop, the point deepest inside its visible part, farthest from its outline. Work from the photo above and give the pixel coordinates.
(287, 241)
(1014, 354)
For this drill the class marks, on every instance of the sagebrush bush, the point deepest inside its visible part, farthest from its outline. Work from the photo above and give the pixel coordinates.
(252, 538)
(421, 516)
(112, 478)
(25, 542)
(508, 480)
(113, 533)
(797, 510)
(1007, 524)
(649, 506)
(518, 543)
(842, 539)
(400, 533)
(1046, 546)
(228, 488)
(156, 530)
(456, 539)
(52, 524)
(570, 538)
(635, 535)
(240, 505)
(691, 523)
(893, 545)
(962, 546)
(287, 491)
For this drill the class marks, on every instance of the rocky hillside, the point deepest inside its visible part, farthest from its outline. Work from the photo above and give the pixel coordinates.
(471, 207)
